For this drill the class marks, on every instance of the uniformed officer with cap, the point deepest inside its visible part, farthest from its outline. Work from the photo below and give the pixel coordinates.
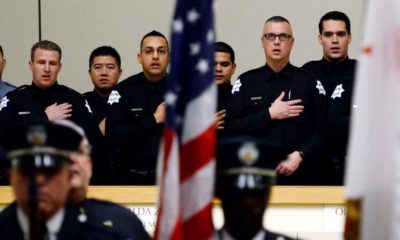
(46, 100)
(111, 215)
(39, 159)
(244, 177)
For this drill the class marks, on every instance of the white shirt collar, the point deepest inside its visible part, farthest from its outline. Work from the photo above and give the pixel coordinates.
(53, 224)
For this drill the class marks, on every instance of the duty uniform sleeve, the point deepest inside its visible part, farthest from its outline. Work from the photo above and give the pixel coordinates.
(314, 146)
(121, 125)
(243, 119)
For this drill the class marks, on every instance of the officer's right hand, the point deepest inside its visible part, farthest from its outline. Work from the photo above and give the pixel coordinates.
(159, 115)
(58, 112)
(219, 119)
(285, 109)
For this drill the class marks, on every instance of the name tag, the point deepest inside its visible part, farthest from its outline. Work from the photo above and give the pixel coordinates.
(255, 98)
(136, 109)
(24, 113)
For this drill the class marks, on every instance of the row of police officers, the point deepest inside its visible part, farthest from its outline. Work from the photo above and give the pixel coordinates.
(304, 110)
(283, 108)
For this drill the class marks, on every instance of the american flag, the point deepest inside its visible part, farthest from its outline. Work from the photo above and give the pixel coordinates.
(187, 149)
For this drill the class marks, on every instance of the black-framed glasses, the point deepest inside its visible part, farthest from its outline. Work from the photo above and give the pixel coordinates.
(281, 36)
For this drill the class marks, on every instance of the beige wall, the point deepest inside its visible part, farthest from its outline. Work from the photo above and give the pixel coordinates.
(79, 26)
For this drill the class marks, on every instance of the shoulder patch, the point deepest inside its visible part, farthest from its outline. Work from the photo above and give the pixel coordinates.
(321, 89)
(236, 86)
(114, 97)
(4, 102)
(337, 93)
(22, 87)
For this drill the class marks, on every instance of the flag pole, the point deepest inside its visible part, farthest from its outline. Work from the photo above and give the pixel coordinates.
(40, 19)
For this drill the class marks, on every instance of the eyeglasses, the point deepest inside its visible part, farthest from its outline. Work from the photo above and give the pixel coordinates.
(281, 36)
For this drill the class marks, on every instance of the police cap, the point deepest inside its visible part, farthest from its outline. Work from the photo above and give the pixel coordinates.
(40, 146)
(246, 164)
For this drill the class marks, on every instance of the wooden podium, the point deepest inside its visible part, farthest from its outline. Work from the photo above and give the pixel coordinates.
(307, 212)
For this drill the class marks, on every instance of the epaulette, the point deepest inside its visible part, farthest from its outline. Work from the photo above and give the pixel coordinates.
(22, 87)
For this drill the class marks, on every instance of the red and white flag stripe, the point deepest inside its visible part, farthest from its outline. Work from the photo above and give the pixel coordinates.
(187, 178)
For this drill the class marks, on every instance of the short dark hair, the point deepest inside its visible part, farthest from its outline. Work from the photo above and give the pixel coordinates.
(277, 19)
(46, 45)
(1, 51)
(224, 47)
(153, 33)
(105, 51)
(334, 15)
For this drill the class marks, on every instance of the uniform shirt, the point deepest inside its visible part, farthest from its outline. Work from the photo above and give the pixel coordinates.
(28, 103)
(102, 168)
(98, 104)
(224, 93)
(252, 95)
(74, 226)
(116, 217)
(5, 87)
(263, 234)
(132, 130)
(338, 80)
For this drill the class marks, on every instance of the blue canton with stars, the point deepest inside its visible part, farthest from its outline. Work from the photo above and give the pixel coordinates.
(192, 57)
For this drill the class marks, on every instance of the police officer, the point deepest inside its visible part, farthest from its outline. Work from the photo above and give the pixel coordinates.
(224, 68)
(5, 87)
(137, 113)
(113, 216)
(39, 155)
(104, 70)
(281, 103)
(244, 178)
(45, 99)
(336, 72)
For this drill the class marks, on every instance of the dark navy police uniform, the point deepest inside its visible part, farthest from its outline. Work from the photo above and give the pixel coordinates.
(45, 148)
(252, 95)
(102, 168)
(28, 103)
(243, 183)
(115, 217)
(262, 235)
(98, 104)
(224, 93)
(132, 131)
(338, 80)
(73, 226)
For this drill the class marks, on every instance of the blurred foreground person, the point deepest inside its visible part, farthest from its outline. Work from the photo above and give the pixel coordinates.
(111, 215)
(40, 176)
(244, 179)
